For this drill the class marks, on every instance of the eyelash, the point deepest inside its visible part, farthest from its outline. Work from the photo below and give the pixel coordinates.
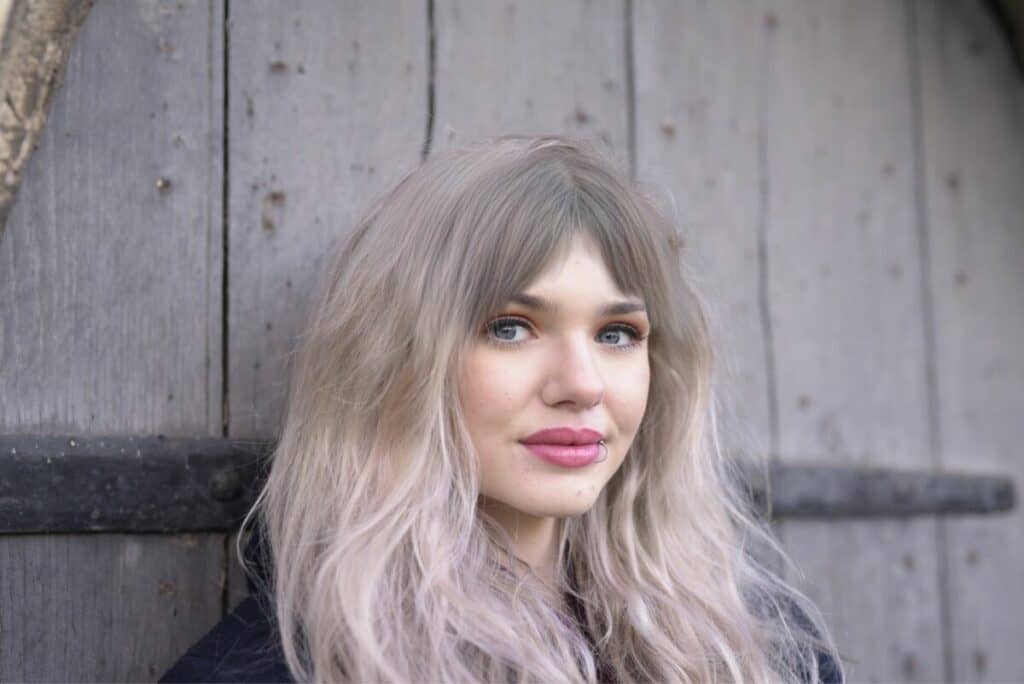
(506, 320)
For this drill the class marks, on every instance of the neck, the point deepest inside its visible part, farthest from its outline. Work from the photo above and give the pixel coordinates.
(534, 538)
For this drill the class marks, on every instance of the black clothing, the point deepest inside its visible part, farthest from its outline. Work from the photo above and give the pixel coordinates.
(245, 645)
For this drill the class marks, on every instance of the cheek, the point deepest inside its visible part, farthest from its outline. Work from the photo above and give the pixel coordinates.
(629, 396)
(490, 391)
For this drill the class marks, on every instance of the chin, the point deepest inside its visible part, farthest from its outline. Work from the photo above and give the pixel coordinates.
(570, 509)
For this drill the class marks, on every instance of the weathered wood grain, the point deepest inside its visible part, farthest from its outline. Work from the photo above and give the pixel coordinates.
(327, 109)
(971, 108)
(783, 129)
(110, 315)
(844, 300)
(698, 139)
(530, 67)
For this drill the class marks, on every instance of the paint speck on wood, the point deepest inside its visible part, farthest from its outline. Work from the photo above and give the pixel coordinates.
(980, 661)
(908, 666)
(829, 433)
(953, 181)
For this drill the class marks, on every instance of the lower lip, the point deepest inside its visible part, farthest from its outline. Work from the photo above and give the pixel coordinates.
(575, 456)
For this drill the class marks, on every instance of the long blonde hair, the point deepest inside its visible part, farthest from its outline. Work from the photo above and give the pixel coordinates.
(383, 566)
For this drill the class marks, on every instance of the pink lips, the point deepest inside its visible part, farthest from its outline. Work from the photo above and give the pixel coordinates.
(565, 446)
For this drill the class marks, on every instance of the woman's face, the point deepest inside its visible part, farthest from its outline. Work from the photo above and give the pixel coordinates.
(572, 365)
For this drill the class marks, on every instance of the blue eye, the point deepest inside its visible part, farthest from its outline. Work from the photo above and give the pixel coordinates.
(504, 325)
(619, 329)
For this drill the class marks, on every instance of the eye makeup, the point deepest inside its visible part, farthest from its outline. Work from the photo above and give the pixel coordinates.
(511, 321)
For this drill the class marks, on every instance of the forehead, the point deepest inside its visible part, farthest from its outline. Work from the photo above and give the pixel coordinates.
(578, 274)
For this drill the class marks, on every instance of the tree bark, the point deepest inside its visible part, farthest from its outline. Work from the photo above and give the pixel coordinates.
(35, 39)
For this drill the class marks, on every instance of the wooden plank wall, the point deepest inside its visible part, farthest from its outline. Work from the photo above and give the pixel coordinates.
(327, 109)
(110, 307)
(792, 163)
(847, 176)
(970, 101)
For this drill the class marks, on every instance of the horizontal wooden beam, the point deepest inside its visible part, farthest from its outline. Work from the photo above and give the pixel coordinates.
(804, 490)
(53, 483)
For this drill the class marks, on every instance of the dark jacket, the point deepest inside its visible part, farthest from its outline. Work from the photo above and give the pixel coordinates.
(245, 646)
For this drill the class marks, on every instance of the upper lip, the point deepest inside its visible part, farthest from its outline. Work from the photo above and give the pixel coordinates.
(564, 435)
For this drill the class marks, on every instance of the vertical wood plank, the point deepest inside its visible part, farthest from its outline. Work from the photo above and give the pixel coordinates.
(972, 164)
(531, 67)
(845, 309)
(699, 138)
(327, 109)
(110, 323)
(783, 131)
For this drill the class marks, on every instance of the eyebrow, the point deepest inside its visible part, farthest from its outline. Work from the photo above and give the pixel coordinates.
(541, 304)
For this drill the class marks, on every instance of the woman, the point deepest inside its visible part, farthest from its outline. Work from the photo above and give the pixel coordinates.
(499, 462)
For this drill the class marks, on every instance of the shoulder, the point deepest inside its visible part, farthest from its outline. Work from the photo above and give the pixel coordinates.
(242, 647)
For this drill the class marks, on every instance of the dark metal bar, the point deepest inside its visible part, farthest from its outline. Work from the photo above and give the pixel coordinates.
(164, 484)
(801, 490)
(126, 483)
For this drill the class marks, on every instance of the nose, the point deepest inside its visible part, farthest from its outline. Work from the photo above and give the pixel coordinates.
(574, 377)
